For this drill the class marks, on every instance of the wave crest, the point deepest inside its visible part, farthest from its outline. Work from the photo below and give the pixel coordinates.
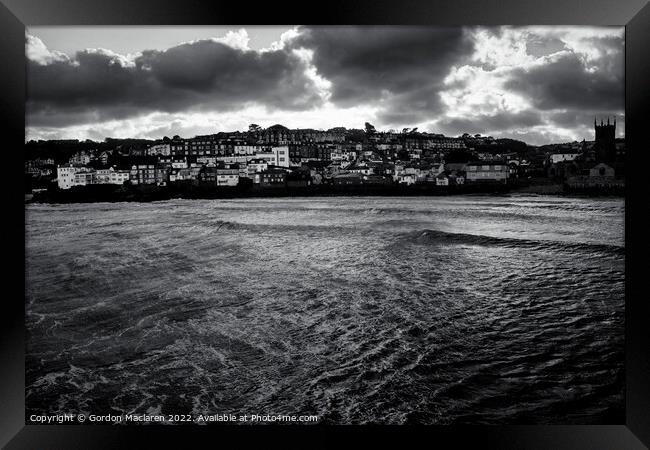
(443, 237)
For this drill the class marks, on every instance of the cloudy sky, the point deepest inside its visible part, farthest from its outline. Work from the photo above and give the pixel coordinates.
(537, 84)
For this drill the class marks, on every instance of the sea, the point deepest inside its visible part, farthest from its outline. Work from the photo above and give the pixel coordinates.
(360, 310)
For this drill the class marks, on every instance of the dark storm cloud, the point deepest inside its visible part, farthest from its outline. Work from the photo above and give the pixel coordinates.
(573, 118)
(401, 66)
(488, 123)
(396, 72)
(99, 85)
(566, 83)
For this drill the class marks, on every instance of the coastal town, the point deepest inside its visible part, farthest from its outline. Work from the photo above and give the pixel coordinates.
(277, 159)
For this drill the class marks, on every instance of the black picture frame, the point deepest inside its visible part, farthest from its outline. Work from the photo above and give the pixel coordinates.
(15, 15)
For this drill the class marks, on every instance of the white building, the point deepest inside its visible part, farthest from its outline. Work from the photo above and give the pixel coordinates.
(257, 165)
(336, 155)
(281, 155)
(361, 169)
(119, 176)
(103, 176)
(84, 177)
(241, 160)
(406, 178)
(111, 176)
(248, 149)
(559, 157)
(206, 160)
(65, 176)
(406, 175)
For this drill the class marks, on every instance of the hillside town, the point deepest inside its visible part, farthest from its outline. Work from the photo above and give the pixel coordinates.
(262, 159)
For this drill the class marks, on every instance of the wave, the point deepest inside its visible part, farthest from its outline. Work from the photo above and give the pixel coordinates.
(227, 225)
(443, 237)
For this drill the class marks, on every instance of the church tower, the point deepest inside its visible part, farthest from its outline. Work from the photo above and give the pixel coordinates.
(605, 143)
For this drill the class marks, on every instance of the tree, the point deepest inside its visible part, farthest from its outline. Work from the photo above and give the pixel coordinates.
(370, 129)
(403, 155)
(254, 128)
(459, 156)
(355, 135)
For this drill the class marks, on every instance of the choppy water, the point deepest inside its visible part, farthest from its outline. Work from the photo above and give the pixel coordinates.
(360, 310)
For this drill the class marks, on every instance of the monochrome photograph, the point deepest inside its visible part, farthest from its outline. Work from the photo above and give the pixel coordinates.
(325, 225)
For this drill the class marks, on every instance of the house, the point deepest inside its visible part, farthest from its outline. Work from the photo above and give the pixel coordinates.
(299, 178)
(119, 176)
(207, 160)
(415, 154)
(429, 172)
(377, 179)
(408, 175)
(149, 174)
(246, 150)
(208, 174)
(182, 175)
(456, 178)
(436, 169)
(331, 170)
(407, 179)
(281, 156)
(81, 158)
(143, 174)
(83, 177)
(559, 157)
(65, 176)
(371, 156)
(163, 149)
(40, 162)
(178, 164)
(513, 169)
(257, 165)
(442, 180)
(227, 175)
(361, 168)
(102, 157)
(242, 160)
(39, 167)
(337, 155)
(489, 171)
(383, 168)
(38, 171)
(111, 176)
(270, 178)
